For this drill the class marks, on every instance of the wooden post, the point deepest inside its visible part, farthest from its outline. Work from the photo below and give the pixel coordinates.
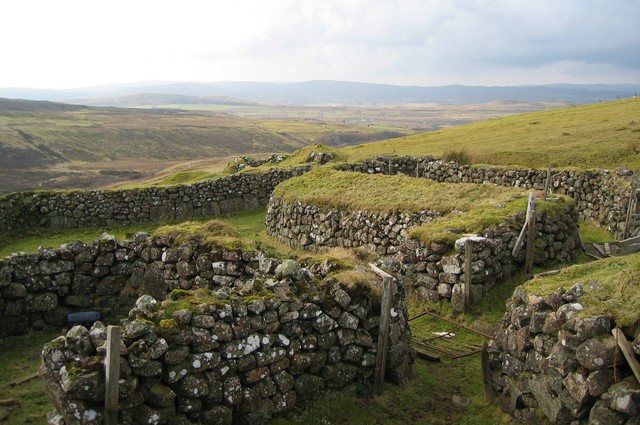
(417, 169)
(112, 372)
(531, 235)
(628, 352)
(489, 394)
(530, 210)
(390, 167)
(631, 206)
(468, 272)
(383, 330)
(546, 183)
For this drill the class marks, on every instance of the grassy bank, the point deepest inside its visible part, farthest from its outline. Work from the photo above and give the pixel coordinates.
(602, 135)
(610, 287)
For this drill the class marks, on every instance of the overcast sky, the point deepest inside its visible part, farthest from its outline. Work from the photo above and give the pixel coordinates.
(69, 43)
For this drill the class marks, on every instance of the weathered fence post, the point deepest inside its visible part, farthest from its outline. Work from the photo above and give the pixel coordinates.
(417, 169)
(112, 372)
(383, 330)
(531, 234)
(468, 273)
(547, 181)
(631, 207)
(390, 167)
(528, 229)
(489, 394)
(627, 351)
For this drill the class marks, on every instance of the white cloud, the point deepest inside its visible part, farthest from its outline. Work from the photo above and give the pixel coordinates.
(73, 43)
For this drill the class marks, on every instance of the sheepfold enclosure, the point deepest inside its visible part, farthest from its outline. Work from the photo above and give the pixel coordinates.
(239, 337)
(450, 241)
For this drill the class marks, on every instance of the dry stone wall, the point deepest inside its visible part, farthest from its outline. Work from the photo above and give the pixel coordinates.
(99, 208)
(268, 333)
(236, 361)
(600, 195)
(547, 360)
(434, 271)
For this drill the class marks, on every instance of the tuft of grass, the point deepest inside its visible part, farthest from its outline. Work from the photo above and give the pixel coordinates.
(211, 232)
(460, 156)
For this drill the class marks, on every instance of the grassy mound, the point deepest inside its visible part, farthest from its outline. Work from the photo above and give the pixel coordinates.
(467, 208)
(611, 287)
(326, 187)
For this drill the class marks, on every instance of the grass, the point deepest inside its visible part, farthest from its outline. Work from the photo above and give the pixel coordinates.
(611, 286)
(590, 232)
(248, 225)
(483, 215)
(467, 208)
(602, 135)
(329, 188)
(20, 358)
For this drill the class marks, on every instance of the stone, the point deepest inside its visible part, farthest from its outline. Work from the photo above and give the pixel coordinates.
(308, 386)
(458, 301)
(193, 385)
(599, 381)
(562, 359)
(625, 397)
(576, 385)
(425, 294)
(147, 304)
(217, 415)
(451, 264)
(324, 323)
(339, 375)
(341, 297)
(78, 340)
(444, 290)
(160, 396)
(589, 327)
(348, 320)
(82, 385)
(289, 269)
(596, 354)
(601, 415)
(549, 403)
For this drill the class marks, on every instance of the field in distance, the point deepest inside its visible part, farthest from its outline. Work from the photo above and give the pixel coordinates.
(46, 145)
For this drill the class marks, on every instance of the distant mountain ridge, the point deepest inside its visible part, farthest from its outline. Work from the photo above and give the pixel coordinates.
(336, 92)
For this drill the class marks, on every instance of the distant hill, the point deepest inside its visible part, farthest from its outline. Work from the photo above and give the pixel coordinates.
(49, 145)
(160, 99)
(341, 92)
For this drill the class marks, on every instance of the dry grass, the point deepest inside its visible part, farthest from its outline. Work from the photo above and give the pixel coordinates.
(602, 135)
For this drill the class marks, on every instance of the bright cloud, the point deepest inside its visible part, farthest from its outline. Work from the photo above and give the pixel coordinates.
(74, 43)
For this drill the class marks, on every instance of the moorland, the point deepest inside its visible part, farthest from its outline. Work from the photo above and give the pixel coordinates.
(49, 145)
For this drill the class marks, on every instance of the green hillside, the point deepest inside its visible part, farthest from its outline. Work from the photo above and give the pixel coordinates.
(602, 135)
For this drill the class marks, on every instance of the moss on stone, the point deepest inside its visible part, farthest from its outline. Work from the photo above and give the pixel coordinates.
(168, 324)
